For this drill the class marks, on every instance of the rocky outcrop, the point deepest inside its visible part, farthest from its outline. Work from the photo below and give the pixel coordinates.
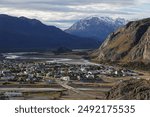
(130, 90)
(130, 43)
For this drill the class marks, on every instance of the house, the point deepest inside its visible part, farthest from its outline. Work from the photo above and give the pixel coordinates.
(8, 78)
(65, 78)
(13, 94)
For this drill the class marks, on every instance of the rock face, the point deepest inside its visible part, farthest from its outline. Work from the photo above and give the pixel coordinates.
(130, 90)
(130, 43)
(96, 27)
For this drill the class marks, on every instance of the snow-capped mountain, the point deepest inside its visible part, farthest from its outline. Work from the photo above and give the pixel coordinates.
(96, 27)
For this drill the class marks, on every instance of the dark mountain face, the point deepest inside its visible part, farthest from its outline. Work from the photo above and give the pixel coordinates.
(96, 28)
(130, 43)
(23, 33)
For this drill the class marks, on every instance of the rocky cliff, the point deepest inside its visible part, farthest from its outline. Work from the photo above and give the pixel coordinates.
(130, 90)
(130, 43)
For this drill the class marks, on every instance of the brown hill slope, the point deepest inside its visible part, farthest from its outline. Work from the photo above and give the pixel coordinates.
(130, 90)
(130, 43)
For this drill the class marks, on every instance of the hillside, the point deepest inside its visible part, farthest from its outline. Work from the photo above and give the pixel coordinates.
(23, 34)
(130, 43)
(96, 27)
(130, 90)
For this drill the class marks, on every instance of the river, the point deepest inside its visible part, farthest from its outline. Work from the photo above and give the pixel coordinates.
(39, 56)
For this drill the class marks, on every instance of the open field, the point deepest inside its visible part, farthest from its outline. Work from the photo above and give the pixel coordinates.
(42, 91)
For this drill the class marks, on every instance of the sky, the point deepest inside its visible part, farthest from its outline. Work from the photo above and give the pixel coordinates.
(63, 13)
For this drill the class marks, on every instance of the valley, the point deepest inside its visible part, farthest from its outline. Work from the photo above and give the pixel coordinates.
(46, 75)
(39, 61)
(74, 50)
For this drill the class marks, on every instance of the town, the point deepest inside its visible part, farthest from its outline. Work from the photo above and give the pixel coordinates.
(18, 74)
(31, 72)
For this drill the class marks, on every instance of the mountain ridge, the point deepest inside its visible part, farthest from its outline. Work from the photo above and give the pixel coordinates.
(96, 27)
(25, 33)
(130, 43)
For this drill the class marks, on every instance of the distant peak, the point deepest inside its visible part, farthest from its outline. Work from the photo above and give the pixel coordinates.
(96, 27)
(97, 18)
(91, 17)
(22, 17)
(105, 19)
(25, 18)
(33, 21)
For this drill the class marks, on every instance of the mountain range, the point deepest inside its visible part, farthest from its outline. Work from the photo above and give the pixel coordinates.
(24, 33)
(130, 43)
(96, 27)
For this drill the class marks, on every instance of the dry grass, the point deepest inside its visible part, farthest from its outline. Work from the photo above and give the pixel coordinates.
(43, 95)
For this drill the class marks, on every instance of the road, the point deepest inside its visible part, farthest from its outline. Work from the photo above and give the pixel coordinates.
(77, 90)
(31, 89)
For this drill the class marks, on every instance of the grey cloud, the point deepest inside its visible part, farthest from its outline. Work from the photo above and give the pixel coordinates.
(72, 7)
(61, 5)
(57, 8)
(68, 2)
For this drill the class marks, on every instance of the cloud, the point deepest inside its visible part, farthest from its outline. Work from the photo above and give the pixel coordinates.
(63, 13)
(63, 5)
(68, 2)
